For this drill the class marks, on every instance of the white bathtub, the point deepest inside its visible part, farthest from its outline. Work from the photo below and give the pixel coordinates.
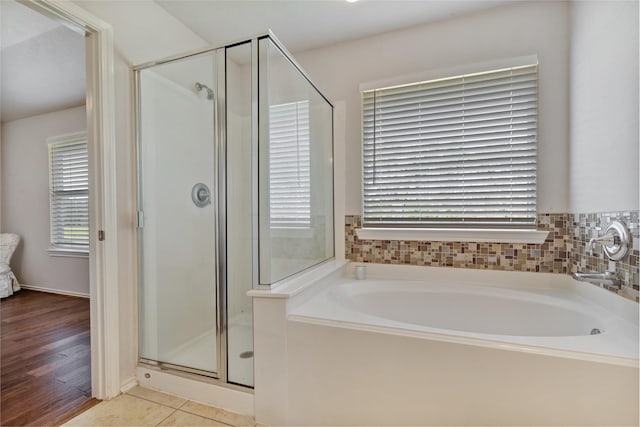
(541, 313)
(468, 310)
(439, 346)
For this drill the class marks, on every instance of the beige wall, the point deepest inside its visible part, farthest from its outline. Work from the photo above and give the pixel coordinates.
(540, 28)
(604, 106)
(25, 201)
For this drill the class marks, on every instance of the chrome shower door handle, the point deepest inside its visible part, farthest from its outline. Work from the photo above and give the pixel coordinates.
(201, 195)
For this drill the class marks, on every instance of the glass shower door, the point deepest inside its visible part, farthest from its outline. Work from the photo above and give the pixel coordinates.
(177, 219)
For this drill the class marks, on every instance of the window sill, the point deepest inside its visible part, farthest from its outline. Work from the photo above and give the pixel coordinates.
(453, 235)
(68, 252)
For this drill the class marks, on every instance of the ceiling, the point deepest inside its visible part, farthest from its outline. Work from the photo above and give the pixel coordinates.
(43, 63)
(20, 24)
(306, 24)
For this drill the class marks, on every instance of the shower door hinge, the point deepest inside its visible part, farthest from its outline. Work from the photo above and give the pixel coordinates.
(140, 219)
(101, 235)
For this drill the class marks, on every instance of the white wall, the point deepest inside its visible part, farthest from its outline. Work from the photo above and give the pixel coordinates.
(25, 200)
(1, 229)
(539, 28)
(604, 106)
(126, 205)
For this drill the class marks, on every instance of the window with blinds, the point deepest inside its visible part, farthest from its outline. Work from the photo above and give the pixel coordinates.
(453, 152)
(69, 194)
(289, 165)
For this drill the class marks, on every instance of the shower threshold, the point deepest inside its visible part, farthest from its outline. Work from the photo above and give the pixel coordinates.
(194, 356)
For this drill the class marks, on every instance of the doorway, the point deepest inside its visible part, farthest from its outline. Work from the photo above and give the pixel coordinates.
(45, 193)
(103, 260)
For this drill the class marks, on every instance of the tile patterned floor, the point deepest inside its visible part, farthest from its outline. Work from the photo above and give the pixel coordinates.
(144, 407)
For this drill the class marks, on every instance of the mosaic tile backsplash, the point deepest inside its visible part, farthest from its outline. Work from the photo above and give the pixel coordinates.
(583, 227)
(564, 251)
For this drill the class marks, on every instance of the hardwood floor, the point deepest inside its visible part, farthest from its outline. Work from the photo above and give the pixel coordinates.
(45, 360)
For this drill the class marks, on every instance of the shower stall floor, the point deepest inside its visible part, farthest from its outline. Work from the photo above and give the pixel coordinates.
(240, 350)
(201, 353)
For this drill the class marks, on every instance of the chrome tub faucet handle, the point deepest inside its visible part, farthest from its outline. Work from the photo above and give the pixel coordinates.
(605, 240)
(615, 242)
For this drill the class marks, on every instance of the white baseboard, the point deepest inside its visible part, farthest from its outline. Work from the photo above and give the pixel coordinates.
(55, 291)
(128, 384)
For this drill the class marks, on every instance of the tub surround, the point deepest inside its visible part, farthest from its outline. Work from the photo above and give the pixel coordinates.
(564, 250)
(367, 378)
(391, 372)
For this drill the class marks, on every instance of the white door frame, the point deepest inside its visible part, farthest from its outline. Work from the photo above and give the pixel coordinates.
(103, 252)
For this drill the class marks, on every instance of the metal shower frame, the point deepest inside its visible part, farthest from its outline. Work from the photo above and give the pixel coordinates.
(219, 191)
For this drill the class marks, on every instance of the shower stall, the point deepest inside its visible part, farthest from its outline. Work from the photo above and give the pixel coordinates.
(235, 192)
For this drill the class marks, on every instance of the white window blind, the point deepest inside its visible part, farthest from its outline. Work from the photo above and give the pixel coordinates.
(69, 193)
(453, 152)
(289, 165)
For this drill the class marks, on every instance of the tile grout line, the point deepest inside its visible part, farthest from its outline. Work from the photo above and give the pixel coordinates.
(179, 408)
(165, 418)
(158, 403)
(200, 415)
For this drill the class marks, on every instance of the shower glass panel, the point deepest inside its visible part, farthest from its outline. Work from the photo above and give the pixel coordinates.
(295, 168)
(239, 218)
(178, 213)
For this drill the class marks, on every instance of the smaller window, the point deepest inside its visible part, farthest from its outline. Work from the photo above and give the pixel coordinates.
(289, 165)
(69, 194)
